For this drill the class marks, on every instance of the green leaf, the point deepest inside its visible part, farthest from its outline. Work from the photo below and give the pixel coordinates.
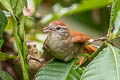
(75, 73)
(21, 46)
(114, 12)
(3, 23)
(18, 28)
(19, 8)
(4, 56)
(106, 66)
(75, 8)
(58, 70)
(5, 76)
(8, 6)
(7, 14)
(36, 3)
(116, 30)
(114, 26)
(19, 34)
(15, 7)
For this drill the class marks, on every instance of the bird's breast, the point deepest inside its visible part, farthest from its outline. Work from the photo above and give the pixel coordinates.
(57, 43)
(62, 49)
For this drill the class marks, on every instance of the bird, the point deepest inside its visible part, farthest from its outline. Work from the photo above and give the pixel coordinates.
(64, 44)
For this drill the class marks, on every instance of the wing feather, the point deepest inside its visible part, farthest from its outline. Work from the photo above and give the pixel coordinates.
(79, 37)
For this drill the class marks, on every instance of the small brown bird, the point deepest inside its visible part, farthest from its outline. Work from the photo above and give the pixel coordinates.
(64, 44)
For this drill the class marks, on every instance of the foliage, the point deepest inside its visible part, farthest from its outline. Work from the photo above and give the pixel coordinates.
(114, 20)
(5, 76)
(4, 56)
(62, 71)
(107, 58)
(59, 11)
(103, 64)
(18, 27)
(36, 3)
(3, 23)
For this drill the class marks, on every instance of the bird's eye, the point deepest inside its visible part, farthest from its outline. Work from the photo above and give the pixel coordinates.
(58, 28)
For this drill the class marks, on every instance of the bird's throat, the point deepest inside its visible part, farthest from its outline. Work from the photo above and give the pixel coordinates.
(62, 36)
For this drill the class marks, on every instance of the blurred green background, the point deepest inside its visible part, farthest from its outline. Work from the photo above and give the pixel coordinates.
(92, 22)
(89, 17)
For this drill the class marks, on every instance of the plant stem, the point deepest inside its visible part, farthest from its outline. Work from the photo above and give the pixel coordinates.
(19, 47)
(94, 54)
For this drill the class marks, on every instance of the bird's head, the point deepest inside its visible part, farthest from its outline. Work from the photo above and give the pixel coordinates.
(56, 26)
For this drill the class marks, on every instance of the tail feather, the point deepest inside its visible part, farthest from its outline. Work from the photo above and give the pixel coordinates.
(89, 49)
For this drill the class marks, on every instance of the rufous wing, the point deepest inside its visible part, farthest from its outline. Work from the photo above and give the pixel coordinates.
(79, 37)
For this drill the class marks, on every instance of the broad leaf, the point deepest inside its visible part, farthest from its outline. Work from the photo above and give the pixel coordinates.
(3, 23)
(58, 70)
(75, 8)
(114, 26)
(106, 66)
(114, 12)
(15, 7)
(5, 76)
(4, 56)
(8, 6)
(116, 30)
(7, 14)
(75, 73)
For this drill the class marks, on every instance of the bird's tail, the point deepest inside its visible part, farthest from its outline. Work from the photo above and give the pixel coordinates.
(89, 49)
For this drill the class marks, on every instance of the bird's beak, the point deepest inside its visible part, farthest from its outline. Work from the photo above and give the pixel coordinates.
(47, 29)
